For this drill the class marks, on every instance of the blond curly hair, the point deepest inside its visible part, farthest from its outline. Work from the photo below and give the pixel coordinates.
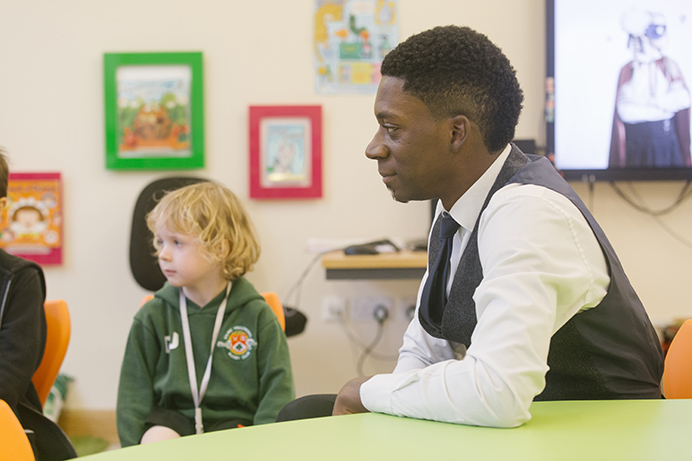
(214, 216)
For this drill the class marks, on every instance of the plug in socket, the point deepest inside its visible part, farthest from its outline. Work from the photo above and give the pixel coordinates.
(363, 308)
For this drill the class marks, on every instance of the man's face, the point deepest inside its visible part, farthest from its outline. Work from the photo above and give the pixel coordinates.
(411, 147)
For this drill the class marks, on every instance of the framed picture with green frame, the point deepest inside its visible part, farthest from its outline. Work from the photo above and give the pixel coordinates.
(154, 105)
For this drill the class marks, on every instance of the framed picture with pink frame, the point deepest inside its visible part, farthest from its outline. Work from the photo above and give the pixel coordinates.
(32, 219)
(285, 152)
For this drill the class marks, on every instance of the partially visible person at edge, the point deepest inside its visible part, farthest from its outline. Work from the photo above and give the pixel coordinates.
(536, 305)
(22, 342)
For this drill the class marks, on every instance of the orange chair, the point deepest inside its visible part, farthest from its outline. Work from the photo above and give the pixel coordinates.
(271, 298)
(677, 374)
(57, 339)
(14, 444)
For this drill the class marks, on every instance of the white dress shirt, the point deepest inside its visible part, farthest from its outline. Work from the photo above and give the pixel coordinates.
(542, 264)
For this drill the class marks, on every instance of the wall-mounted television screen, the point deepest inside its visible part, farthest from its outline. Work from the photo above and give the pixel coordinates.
(617, 89)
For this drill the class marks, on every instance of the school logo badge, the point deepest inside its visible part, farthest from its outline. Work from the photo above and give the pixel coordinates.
(238, 341)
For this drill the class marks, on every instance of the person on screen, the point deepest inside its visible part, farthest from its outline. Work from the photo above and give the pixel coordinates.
(207, 353)
(526, 300)
(651, 126)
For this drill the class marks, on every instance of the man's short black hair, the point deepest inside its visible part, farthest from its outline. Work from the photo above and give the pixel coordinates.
(458, 71)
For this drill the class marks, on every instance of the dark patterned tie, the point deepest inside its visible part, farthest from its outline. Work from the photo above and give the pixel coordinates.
(434, 296)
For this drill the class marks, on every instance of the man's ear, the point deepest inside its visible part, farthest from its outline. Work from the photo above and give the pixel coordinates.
(460, 130)
(3, 203)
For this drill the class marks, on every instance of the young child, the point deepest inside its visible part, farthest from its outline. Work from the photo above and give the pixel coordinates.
(170, 383)
(22, 341)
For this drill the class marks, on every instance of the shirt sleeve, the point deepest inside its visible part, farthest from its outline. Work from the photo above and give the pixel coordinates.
(276, 387)
(541, 264)
(22, 336)
(136, 387)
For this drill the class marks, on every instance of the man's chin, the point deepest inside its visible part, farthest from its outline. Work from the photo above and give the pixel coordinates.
(400, 200)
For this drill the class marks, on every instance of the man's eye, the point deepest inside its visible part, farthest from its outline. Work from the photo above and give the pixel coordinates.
(389, 128)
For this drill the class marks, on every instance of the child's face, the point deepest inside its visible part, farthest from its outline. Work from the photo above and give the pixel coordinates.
(182, 261)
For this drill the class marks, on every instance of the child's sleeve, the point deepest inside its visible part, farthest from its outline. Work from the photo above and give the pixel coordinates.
(22, 333)
(136, 388)
(276, 375)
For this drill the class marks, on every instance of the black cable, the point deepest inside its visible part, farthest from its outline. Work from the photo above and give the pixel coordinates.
(298, 284)
(684, 194)
(369, 349)
(359, 343)
(592, 181)
(674, 234)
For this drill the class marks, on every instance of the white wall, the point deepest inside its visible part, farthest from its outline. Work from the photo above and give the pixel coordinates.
(51, 119)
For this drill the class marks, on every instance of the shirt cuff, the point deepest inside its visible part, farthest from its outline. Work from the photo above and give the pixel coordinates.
(376, 393)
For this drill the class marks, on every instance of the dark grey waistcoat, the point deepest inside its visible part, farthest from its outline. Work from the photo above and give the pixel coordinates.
(608, 352)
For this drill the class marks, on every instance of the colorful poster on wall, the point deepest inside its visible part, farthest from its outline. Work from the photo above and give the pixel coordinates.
(32, 219)
(154, 110)
(351, 39)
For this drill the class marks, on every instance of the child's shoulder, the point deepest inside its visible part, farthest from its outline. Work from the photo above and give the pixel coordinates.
(11, 263)
(12, 267)
(154, 307)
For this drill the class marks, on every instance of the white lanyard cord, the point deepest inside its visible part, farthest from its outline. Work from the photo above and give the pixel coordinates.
(197, 396)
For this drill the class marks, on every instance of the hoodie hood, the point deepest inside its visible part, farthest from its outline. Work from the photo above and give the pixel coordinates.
(242, 293)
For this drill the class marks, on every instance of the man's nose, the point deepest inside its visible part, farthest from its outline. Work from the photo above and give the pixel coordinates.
(376, 149)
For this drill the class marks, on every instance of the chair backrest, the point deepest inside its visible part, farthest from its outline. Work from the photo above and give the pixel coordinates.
(271, 298)
(677, 374)
(14, 444)
(57, 340)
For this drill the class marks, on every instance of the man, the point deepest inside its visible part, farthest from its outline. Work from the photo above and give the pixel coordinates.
(535, 304)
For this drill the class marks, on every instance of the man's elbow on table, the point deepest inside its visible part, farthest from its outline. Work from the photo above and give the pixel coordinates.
(413, 398)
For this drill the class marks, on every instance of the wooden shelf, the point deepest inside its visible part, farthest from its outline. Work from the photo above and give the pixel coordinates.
(400, 265)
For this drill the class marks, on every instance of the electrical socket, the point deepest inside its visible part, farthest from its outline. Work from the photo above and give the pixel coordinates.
(406, 307)
(363, 308)
(333, 308)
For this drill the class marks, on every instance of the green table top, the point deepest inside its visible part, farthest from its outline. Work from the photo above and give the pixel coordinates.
(572, 430)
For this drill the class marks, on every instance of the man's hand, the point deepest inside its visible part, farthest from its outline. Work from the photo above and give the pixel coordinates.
(348, 400)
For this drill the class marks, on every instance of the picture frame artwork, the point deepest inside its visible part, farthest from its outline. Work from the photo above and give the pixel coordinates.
(31, 225)
(154, 107)
(285, 151)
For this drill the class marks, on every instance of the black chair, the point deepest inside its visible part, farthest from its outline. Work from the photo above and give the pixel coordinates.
(143, 262)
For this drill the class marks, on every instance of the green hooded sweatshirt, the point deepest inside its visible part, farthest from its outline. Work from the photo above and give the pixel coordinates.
(251, 375)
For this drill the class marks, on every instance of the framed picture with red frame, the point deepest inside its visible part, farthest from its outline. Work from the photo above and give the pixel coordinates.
(32, 220)
(285, 152)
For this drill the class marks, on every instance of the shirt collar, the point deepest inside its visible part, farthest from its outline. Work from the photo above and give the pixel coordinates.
(466, 210)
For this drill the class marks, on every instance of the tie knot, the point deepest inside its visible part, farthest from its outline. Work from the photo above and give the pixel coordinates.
(448, 226)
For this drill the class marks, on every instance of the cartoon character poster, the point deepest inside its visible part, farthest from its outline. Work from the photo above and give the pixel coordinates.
(153, 111)
(351, 39)
(32, 219)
